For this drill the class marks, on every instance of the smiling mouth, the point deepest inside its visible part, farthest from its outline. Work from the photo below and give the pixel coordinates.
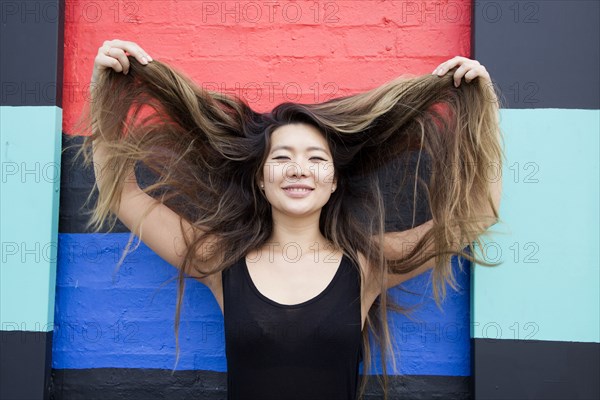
(297, 190)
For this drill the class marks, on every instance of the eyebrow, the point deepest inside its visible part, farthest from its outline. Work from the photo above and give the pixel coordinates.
(290, 149)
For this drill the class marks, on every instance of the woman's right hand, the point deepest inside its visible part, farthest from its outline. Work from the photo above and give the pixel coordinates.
(112, 55)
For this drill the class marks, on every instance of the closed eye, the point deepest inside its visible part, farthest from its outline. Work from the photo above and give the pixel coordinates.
(318, 158)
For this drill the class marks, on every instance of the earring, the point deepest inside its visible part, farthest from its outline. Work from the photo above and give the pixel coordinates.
(332, 189)
(262, 186)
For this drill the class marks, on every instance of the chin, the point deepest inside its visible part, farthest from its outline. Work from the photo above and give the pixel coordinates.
(300, 212)
(295, 208)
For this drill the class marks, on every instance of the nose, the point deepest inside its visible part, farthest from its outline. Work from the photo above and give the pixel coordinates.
(296, 169)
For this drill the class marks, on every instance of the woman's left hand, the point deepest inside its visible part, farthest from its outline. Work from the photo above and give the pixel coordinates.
(468, 68)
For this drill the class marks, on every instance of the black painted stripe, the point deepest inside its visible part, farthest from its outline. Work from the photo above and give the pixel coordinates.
(147, 384)
(31, 53)
(535, 369)
(25, 359)
(541, 54)
(76, 183)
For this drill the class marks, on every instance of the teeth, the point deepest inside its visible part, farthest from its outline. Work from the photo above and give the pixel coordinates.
(298, 190)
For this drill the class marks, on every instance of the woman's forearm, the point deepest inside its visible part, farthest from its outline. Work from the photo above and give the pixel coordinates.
(398, 244)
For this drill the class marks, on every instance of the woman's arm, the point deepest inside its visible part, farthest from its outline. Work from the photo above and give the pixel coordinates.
(161, 229)
(398, 244)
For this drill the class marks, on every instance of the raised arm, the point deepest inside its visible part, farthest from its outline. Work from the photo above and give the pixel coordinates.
(398, 244)
(161, 229)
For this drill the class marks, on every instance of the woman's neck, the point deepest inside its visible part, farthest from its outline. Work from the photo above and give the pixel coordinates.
(291, 234)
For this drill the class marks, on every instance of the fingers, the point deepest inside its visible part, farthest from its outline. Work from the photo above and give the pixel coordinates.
(105, 61)
(478, 71)
(112, 58)
(123, 61)
(132, 48)
(448, 65)
(459, 73)
(113, 54)
(467, 68)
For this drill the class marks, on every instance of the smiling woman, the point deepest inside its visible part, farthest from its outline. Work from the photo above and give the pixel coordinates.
(299, 166)
(238, 190)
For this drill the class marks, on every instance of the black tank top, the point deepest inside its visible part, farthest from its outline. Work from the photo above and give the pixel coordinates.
(306, 351)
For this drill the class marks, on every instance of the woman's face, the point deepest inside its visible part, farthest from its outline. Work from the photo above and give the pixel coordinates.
(298, 175)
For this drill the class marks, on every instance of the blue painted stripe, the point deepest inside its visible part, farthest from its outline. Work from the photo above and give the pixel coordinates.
(431, 342)
(129, 323)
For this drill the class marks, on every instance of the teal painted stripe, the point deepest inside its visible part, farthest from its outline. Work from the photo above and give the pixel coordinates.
(547, 287)
(30, 178)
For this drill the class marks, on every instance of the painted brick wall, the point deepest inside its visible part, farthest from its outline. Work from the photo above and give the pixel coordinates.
(269, 52)
(266, 52)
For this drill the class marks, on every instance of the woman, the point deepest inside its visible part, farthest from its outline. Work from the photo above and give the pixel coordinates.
(281, 214)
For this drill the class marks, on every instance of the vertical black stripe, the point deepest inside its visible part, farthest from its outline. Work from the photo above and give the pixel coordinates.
(31, 69)
(25, 364)
(31, 59)
(541, 54)
(536, 369)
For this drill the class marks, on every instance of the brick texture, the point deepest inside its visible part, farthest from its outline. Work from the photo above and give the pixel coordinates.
(270, 51)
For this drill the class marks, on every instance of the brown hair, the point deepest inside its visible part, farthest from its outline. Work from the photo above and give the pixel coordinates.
(207, 150)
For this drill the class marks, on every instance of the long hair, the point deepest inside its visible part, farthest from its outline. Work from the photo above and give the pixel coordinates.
(206, 151)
